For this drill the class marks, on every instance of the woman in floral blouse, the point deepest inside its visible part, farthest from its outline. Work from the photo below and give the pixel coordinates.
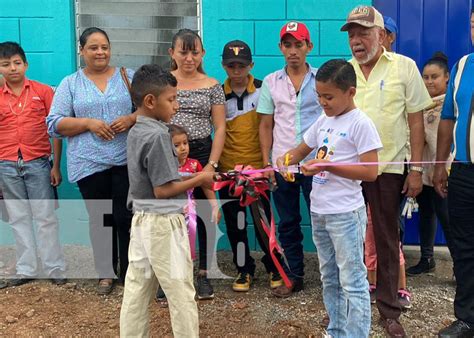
(92, 108)
(201, 111)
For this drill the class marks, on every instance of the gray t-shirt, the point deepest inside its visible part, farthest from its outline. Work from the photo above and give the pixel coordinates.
(152, 162)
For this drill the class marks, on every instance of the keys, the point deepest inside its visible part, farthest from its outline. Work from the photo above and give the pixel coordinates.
(410, 206)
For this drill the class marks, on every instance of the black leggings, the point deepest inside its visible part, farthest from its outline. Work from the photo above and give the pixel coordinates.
(200, 150)
(111, 184)
(432, 206)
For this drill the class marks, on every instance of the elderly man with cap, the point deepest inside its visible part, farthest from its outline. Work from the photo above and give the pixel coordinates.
(456, 128)
(388, 85)
(289, 106)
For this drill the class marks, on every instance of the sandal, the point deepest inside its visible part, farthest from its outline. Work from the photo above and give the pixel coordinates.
(105, 286)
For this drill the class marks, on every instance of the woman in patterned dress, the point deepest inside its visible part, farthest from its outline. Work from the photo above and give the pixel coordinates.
(201, 111)
(92, 108)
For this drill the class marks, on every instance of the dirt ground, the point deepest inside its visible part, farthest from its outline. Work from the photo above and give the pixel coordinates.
(42, 309)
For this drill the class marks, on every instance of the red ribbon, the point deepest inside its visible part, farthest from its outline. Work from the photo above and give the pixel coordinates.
(248, 186)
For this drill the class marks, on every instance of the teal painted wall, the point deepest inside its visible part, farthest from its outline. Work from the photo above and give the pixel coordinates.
(45, 29)
(258, 22)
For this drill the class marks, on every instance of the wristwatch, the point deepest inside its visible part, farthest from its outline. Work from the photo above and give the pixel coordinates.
(416, 168)
(213, 164)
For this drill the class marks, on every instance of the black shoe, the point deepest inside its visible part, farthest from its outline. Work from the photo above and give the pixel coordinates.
(457, 329)
(275, 280)
(3, 284)
(57, 277)
(425, 265)
(204, 288)
(242, 282)
(19, 280)
(161, 298)
(160, 293)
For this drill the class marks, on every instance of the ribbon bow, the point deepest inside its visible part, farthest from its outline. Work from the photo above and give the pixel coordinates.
(248, 185)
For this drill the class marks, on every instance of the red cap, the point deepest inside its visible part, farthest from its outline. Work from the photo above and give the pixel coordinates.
(296, 29)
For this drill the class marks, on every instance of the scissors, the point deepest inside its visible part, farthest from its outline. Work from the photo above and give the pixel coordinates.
(289, 176)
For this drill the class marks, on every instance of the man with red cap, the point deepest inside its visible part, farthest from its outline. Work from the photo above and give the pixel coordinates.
(289, 106)
(390, 90)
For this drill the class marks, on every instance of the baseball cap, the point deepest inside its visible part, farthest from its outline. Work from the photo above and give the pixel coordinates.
(236, 51)
(296, 29)
(390, 24)
(366, 16)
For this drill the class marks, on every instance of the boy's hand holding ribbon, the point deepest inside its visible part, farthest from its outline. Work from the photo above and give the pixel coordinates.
(311, 167)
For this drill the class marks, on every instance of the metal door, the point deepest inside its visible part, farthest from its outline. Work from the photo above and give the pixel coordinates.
(426, 26)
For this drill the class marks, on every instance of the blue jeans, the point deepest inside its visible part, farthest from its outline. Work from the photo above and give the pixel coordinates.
(29, 196)
(339, 239)
(287, 202)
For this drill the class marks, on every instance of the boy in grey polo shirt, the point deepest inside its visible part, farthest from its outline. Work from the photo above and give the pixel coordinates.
(159, 246)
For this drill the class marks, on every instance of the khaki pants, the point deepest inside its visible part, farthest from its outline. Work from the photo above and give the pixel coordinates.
(159, 246)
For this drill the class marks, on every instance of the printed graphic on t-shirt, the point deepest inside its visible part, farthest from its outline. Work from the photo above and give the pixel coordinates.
(324, 153)
(340, 139)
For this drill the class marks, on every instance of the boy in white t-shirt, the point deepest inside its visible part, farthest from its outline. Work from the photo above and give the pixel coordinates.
(344, 134)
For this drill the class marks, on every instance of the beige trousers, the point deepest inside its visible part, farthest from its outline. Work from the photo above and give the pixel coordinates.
(159, 253)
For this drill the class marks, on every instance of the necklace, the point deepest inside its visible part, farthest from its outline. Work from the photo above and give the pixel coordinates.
(19, 105)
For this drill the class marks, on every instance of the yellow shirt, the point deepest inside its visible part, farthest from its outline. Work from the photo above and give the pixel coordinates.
(394, 88)
(242, 144)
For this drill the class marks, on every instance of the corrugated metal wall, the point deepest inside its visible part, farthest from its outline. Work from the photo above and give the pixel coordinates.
(140, 31)
(426, 26)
